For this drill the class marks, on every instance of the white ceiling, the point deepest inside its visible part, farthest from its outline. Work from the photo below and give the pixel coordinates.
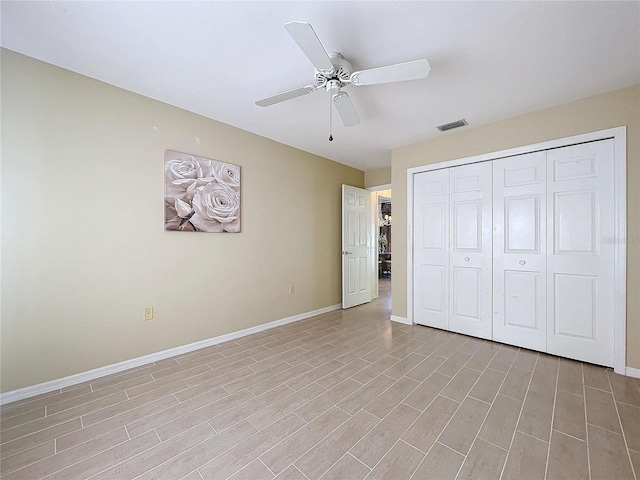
(489, 60)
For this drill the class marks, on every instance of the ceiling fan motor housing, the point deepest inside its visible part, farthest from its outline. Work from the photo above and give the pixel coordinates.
(342, 71)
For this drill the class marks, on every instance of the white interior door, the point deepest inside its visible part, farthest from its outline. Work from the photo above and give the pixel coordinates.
(580, 265)
(431, 248)
(470, 260)
(356, 242)
(519, 250)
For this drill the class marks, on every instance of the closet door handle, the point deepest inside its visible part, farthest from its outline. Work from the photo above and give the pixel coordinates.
(466, 259)
(522, 262)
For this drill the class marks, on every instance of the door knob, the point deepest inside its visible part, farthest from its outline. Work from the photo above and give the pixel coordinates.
(344, 252)
(466, 259)
(522, 262)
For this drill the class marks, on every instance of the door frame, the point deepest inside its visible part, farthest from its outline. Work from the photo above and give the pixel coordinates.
(375, 234)
(619, 136)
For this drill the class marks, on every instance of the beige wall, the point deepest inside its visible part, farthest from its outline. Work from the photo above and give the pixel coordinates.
(83, 246)
(377, 177)
(614, 109)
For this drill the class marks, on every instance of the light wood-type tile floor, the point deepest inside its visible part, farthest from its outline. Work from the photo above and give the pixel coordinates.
(345, 395)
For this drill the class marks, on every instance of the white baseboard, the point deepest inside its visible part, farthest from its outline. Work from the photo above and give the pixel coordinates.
(633, 372)
(64, 382)
(396, 318)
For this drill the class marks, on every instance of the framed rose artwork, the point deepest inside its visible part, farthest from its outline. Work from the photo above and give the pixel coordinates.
(200, 194)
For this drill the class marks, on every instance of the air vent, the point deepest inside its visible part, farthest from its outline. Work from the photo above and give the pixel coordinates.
(452, 125)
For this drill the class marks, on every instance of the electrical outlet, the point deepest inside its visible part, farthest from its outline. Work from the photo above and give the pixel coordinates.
(292, 290)
(148, 313)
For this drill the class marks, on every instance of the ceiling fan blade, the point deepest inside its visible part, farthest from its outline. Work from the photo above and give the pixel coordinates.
(281, 97)
(392, 73)
(308, 41)
(346, 109)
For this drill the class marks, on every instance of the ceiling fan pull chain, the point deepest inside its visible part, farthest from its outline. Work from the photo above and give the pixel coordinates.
(330, 119)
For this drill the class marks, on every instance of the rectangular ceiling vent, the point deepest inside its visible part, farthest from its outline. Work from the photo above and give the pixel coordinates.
(452, 125)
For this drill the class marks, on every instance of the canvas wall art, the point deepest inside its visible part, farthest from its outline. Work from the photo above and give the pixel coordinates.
(200, 195)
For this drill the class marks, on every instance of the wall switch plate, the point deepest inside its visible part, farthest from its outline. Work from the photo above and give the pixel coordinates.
(292, 290)
(148, 313)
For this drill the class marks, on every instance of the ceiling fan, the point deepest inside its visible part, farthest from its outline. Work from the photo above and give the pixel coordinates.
(333, 72)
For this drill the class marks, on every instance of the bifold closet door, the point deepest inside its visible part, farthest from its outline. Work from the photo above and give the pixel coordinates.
(580, 257)
(470, 258)
(519, 250)
(431, 248)
(452, 249)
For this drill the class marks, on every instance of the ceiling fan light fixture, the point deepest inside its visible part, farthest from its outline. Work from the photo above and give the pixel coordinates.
(450, 126)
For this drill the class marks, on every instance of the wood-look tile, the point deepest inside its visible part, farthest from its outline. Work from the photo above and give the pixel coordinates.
(365, 394)
(527, 458)
(630, 418)
(535, 419)
(461, 384)
(482, 357)
(625, 389)
(503, 359)
(525, 359)
(452, 345)
(40, 401)
(635, 461)
(569, 415)
(567, 458)
(136, 465)
(285, 406)
(516, 383)
(293, 447)
(404, 366)
(463, 427)
(441, 463)
(328, 399)
(391, 397)
(124, 419)
(219, 376)
(314, 463)
(373, 370)
(186, 370)
(401, 461)
(485, 461)
(570, 377)
(258, 377)
(256, 470)
(17, 420)
(108, 459)
(31, 440)
(231, 417)
(487, 385)
(27, 457)
(548, 361)
(185, 422)
(375, 444)
(346, 468)
(426, 429)
(424, 369)
(49, 466)
(406, 349)
(342, 373)
(596, 377)
(422, 396)
(313, 374)
(291, 473)
(601, 409)
(171, 462)
(276, 359)
(608, 456)
(501, 421)
(453, 364)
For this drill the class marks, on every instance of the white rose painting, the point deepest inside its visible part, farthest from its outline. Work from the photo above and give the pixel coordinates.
(200, 195)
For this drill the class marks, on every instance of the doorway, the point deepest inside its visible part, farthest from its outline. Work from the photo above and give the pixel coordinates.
(382, 265)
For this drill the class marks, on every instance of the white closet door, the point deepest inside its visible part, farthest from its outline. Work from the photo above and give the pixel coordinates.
(431, 248)
(471, 252)
(580, 266)
(519, 250)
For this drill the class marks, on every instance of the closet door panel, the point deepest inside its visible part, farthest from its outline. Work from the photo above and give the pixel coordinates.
(580, 265)
(431, 249)
(519, 251)
(470, 259)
